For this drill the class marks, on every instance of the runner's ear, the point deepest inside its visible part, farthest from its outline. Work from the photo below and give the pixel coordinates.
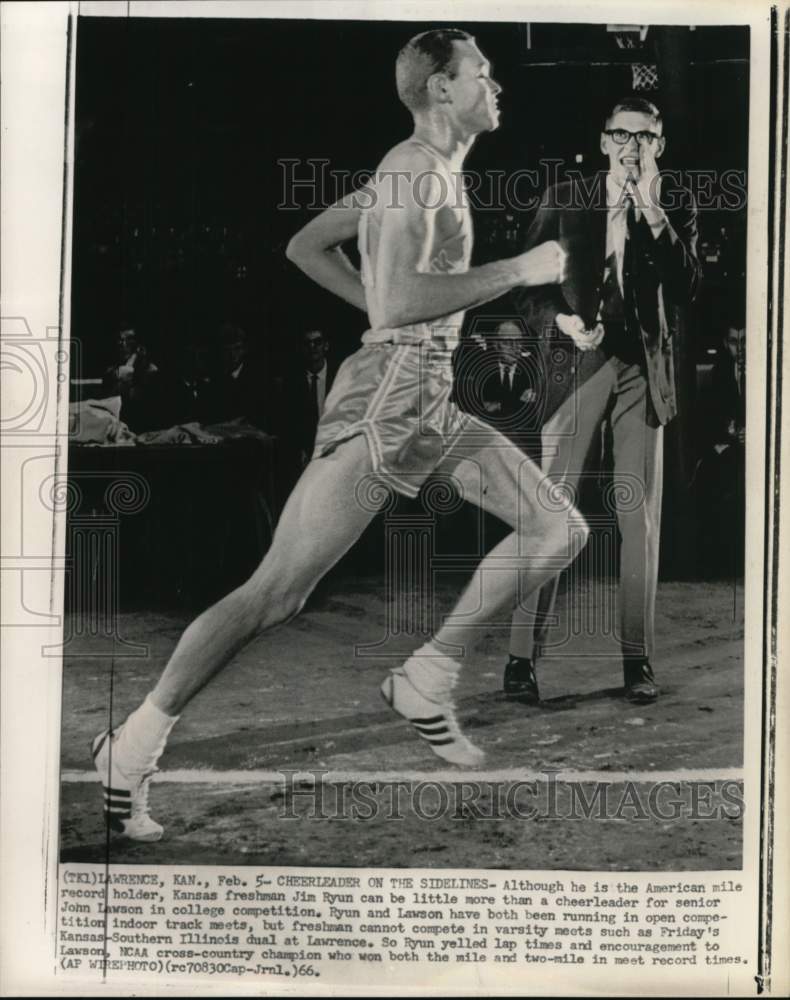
(437, 88)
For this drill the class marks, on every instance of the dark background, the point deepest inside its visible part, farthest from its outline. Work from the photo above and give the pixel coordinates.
(181, 123)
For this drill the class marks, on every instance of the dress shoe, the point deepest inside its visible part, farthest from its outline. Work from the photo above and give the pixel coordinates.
(521, 684)
(640, 684)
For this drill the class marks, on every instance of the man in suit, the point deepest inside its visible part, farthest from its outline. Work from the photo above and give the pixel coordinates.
(240, 390)
(721, 468)
(727, 396)
(608, 332)
(302, 397)
(137, 380)
(498, 378)
(189, 386)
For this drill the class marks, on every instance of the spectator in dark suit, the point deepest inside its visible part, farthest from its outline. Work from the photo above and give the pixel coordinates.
(304, 390)
(241, 389)
(136, 379)
(191, 389)
(721, 469)
(498, 379)
(727, 399)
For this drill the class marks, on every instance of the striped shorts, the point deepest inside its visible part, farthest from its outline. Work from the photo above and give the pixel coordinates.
(398, 397)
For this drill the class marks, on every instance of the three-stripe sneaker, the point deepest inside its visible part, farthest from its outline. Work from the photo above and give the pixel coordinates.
(433, 721)
(125, 791)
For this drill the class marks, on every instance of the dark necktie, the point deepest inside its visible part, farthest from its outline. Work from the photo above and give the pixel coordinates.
(628, 265)
(314, 398)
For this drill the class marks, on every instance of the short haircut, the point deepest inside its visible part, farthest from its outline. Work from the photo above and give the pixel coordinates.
(425, 54)
(639, 105)
(509, 321)
(307, 340)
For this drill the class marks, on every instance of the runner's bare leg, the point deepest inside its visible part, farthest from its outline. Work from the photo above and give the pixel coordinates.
(498, 477)
(321, 521)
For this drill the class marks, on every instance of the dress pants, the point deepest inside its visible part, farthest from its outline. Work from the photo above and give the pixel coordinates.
(617, 392)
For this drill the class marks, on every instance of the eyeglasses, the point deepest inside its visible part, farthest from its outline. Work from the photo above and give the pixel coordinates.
(622, 135)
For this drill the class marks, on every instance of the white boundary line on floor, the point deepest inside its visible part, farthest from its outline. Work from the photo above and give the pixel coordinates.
(209, 776)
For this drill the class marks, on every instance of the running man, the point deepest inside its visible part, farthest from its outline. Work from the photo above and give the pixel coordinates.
(387, 424)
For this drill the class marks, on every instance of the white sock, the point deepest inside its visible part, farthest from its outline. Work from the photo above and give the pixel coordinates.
(431, 672)
(143, 736)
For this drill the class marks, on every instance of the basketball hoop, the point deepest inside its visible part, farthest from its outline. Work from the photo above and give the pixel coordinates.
(644, 77)
(628, 36)
(632, 38)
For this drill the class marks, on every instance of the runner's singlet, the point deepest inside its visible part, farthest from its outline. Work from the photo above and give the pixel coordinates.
(442, 191)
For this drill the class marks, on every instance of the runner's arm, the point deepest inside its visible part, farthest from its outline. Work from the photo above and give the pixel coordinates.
(316, 250)
(407, 294)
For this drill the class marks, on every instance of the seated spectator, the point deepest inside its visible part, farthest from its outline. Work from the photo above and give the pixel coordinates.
(721, 466)
(135, 378)
(190, 389)
(241, 389)
(304, 388)
(497, 378)
(727, 401)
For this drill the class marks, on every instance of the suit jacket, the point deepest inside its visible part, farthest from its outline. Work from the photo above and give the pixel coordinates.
(665, 273)
(188, 401)
(143, 398)
(295, 419)
(244, 396)
(724, 405)
(516, 410)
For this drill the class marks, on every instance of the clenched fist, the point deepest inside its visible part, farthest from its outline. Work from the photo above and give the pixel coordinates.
(573, 327)
(544, 264)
